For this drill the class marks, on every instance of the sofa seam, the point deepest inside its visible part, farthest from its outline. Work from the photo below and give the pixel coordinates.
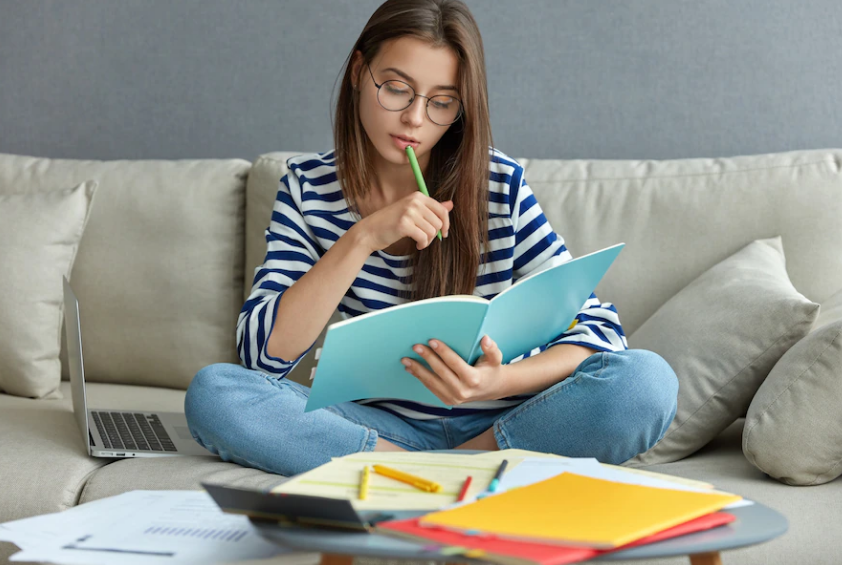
(799, 165)
(87, 481)
(829, 471)
(790, 385)
(792, 166)
(719, 390)
(273, 159)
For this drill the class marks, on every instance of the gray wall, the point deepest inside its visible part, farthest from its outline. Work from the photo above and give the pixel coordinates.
(604, 79)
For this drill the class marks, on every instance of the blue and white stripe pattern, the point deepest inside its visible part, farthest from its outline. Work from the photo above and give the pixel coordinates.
(310, 214)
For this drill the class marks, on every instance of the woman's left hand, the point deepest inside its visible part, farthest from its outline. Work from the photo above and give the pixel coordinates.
(451, 379)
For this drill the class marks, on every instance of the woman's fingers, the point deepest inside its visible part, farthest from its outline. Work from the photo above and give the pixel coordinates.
(437, 213)
(440, 359)
(433, 383)
(427, 228)
(432, 217)
(443, 211)
(491, 351)
(421, 237)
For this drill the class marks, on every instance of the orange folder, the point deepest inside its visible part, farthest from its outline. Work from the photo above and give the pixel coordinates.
(577, 510)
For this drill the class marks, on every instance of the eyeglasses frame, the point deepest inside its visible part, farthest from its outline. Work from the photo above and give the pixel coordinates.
(415, 94)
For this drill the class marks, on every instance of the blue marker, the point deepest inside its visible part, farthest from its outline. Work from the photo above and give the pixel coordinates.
(495, 482)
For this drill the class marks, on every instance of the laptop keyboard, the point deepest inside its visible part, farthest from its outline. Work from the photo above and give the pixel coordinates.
(132, 432)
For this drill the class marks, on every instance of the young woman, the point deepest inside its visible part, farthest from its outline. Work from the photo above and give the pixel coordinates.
(351, 230)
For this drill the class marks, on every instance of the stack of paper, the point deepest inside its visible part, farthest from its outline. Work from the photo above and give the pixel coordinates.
(577, 518)
(138, 528)
(340, 478)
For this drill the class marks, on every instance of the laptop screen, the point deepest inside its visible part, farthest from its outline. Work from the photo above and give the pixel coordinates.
(74, 358)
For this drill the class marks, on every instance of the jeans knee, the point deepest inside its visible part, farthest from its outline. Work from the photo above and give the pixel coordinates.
(653, 388)
(203, 394)
(663, 383)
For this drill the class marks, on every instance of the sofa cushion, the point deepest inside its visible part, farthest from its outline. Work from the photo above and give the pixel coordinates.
(169, 473)
(40, 232)
(43, 462)
(680, 217)
(813, 513)
(44, 456)
(793, 428)
(159, 271)
(722, 334)
(831, 310)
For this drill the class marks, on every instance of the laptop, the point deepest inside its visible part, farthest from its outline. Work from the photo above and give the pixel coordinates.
(120, 433)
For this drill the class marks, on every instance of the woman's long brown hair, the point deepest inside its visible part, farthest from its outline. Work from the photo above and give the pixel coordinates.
(459, 163)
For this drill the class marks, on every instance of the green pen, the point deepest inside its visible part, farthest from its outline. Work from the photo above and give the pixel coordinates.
(419, 178)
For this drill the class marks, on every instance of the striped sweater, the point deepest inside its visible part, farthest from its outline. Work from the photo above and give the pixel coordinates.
(310, 214)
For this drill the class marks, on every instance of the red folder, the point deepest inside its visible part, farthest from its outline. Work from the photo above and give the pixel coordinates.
(511, 552)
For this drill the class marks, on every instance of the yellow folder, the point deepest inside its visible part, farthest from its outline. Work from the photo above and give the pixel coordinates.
(571, 509)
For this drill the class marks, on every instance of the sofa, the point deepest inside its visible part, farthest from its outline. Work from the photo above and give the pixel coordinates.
(732, 271)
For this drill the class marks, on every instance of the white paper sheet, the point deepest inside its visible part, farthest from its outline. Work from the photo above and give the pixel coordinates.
(59, 527)
(140, 527)
(534, 470)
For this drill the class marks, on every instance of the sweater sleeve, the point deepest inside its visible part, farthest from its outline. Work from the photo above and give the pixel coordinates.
(291, 250)
(538, 247)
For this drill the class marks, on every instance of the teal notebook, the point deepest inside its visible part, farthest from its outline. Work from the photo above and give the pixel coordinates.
(361, 356)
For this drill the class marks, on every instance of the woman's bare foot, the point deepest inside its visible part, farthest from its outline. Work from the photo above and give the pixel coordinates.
(485, 441)
(383, 445)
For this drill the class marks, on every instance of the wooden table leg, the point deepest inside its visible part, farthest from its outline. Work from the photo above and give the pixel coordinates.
(712, 558)
(335, 559)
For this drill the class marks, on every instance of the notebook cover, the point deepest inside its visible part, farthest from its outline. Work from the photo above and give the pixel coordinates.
(361, 356)
(502, 550)
(572, 509)
(300, 509)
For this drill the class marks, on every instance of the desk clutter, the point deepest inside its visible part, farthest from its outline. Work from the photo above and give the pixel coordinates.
(510, 507)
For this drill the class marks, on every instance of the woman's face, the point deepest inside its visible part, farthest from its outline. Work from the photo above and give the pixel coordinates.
(430, 71)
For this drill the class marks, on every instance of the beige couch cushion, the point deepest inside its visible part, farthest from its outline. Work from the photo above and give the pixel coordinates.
(680, 217)
(43, 462)
(159, 272)
(185, 473)
(45, 467)
(813, 513)
(722, 334)
(44, 456)
(40, 234)
(794, 424)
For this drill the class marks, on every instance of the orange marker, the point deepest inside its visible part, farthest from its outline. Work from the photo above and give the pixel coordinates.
(417, 482)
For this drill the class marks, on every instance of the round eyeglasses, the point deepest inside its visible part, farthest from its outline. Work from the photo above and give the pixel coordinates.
(396, 95)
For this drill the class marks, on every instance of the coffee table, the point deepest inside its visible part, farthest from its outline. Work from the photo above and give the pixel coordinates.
(754, 524)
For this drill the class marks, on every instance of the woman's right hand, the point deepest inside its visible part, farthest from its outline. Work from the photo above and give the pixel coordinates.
(416, 216)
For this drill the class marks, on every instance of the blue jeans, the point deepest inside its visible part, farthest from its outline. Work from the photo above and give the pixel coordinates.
(612, 407)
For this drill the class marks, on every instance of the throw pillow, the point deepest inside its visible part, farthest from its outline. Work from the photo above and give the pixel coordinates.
(722, 334)
(793, 429)
(40, 232)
